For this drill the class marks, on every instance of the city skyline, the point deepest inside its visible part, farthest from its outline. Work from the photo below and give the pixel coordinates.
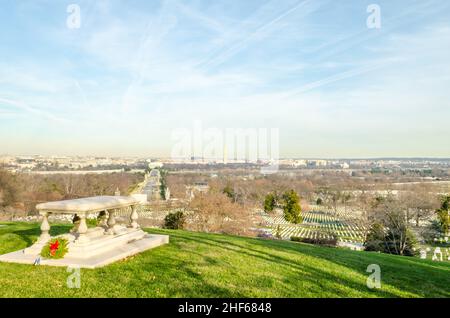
(130, 74)
(218, 160)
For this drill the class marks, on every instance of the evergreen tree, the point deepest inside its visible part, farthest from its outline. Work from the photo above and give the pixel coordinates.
(270, 202)
(443, 215)
(229, 191)
(292, 209)
(278, 232)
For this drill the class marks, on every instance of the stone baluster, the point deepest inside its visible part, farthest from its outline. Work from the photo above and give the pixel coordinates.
(102, 219)
(134, 217)
(45, 228)
(111, 222)
(76, 224)
(82, 229)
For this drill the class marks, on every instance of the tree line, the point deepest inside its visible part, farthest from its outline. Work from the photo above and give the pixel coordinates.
(19, 193)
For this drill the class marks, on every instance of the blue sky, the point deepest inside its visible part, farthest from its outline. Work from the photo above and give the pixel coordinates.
(135, 71)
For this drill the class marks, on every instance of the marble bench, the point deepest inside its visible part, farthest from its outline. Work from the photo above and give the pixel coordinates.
(94, 247)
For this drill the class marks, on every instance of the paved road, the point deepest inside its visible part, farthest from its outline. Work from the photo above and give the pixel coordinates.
(148, 187)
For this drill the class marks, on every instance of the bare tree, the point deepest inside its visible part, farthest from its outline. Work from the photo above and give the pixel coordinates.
(389, 220)
(215, 212)
(420, 203)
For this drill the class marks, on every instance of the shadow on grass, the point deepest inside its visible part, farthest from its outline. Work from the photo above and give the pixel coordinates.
(195, 284)
(31, 234)
(298, 271)
(188, 265)
(404, 273)
(163, 273)
(408, 274)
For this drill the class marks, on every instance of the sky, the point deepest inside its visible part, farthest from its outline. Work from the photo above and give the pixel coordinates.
(124, 77)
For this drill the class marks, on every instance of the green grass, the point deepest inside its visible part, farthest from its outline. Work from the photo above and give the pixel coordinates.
(210, 265)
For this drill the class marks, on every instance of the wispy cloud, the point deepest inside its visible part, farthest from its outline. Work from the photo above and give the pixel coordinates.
(33, 110)
(311, 68)
(340, 76)
(258, 34)
(201, 18)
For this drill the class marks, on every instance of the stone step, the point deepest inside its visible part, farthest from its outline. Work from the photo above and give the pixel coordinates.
(99, 259)
(104, 243)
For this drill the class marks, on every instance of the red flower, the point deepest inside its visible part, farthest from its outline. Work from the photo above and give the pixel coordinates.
(54, 248)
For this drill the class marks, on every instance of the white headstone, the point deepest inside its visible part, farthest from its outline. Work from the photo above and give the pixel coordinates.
(437, 256)
(423, 254)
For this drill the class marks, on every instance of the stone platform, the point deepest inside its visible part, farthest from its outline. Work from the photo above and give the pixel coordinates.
(96, 251)
(94, 247)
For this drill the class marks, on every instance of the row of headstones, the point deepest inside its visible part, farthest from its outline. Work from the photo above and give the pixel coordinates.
(343, 230)
(350, 230)
(438, 254)
(340, 210)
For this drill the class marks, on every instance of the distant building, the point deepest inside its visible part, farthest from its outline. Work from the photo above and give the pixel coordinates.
(155, 164)
(300, 163)
(317, 163)
(6, 160)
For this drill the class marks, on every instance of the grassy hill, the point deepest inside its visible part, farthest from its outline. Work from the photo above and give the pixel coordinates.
(211, 265)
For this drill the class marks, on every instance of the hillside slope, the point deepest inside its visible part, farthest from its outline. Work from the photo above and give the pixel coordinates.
(211, 265)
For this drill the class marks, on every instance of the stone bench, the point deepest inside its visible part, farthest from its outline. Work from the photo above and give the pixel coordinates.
(94, 247)
(83, 207)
